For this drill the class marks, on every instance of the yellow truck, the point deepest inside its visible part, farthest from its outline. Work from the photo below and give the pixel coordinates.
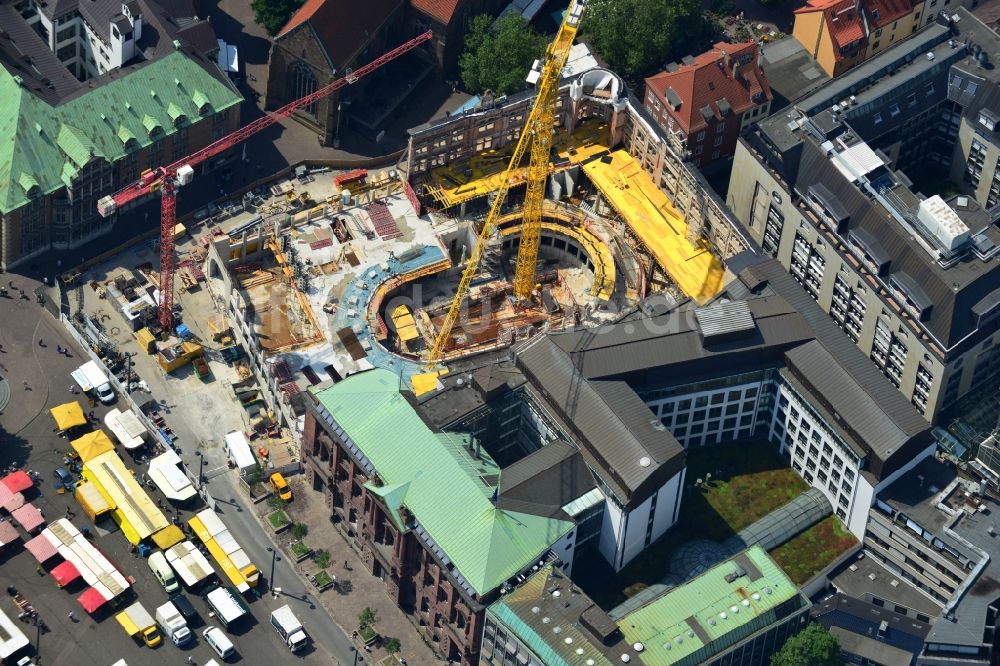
(140, 625)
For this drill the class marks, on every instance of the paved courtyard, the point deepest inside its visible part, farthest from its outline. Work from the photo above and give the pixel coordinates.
(357, 588)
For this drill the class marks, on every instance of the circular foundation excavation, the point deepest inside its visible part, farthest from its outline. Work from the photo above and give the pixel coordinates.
(574, 279)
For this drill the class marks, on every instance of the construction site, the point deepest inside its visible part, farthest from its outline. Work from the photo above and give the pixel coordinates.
(561, 206)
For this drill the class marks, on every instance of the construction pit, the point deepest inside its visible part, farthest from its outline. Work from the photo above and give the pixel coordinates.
(365, 278)
(357, 283)
(578, 280)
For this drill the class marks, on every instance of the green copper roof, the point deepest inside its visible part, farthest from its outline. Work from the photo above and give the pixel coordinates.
(39, 140)
(75, 145)
(697, 620)
(27, 182)
(394, 497)
(445, 487)
(710, 613)
(174, 111)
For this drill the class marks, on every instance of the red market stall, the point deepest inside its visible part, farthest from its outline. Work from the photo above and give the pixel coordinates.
(18, 481)
(65, 573)
(91, 600)
(8, 533)
(41, 549)
(29, 517)
(9, 499)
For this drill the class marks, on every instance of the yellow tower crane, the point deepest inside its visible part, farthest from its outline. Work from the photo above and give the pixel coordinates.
(538, 131)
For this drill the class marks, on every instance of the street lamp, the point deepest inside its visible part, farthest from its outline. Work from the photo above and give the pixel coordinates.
(274, 556)
(336, 135)
(38, 636)
(201, 469)
(128, 376)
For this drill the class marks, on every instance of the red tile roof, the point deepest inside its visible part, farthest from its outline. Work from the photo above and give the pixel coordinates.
(842, 20)
(713, 75)
(887, 10)
(343, 26)
(441, 11)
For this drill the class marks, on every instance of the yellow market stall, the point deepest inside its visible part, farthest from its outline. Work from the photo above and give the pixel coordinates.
(68, 415)
(134, 511)
(168, 536)
(92, 445)
(94, 503)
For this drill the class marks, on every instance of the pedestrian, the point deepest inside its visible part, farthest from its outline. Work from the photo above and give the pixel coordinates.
(59, 349)
(39, 570)
(72, 389)
(345, 565)
(72, 616)
(41, 343)
(190, 659)
(25, 383)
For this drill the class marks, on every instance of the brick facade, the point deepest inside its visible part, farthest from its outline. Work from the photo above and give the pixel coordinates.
(301, 50)
(414, 579)
(68, 217)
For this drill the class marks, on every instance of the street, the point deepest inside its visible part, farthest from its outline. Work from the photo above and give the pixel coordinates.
(29, 338)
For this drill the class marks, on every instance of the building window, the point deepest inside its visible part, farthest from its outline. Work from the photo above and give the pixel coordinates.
(303, 83)
(700, 136)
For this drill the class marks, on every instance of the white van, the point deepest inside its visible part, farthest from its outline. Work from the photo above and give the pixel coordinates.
(158, 565)
(219, 642)
(91, 379)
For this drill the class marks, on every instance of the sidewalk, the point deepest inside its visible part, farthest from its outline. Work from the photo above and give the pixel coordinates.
(363, 589)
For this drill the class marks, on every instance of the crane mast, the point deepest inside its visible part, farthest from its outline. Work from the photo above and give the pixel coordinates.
(166, 179)
(538, 131)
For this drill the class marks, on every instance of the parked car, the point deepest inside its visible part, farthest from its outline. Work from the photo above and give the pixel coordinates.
(280, 486)
(185, 608)
(63, 476)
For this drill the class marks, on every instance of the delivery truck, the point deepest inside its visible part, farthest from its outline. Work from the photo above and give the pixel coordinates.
(228, 606)
(289, 628)
(140, 625)
(93, 380)
(173, 624)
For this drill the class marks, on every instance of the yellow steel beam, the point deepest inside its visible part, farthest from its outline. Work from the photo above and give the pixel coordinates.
(539, 126)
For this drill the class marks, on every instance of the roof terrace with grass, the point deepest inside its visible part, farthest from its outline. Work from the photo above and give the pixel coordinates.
(744, 597)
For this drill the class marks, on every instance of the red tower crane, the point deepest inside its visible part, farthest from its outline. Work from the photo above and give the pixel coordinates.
(166, 179)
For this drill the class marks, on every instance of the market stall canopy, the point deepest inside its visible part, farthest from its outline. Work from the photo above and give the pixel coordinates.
(92, 445)
(28, 516)
(65, 573)
(94, 502)
(68, 415)
(91, 600)
(8, 533)
(18, 481)
(168, 477)
(10, 500)
(168, 537)
(41, 548)
(125, 425)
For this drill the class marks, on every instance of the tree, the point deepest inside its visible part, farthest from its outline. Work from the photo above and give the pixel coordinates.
(322, 558)
(813, 646)
(274, 14)
(638, 37)
(299, 531)
(499, 59)
(367, 618)
(391, 645)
